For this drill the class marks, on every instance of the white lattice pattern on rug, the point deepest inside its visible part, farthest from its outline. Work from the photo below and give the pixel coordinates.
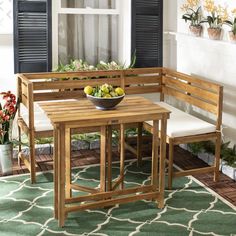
(190, 209)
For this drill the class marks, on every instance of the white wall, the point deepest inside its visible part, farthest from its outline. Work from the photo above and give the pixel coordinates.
(169, 25)
(7, 78)
(212, 60)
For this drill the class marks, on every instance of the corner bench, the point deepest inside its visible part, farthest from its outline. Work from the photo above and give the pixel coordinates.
(161, 83)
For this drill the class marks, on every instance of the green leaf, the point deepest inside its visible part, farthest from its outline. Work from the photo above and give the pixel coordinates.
(227, 22)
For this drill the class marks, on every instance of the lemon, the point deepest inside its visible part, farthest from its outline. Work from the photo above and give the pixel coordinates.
(105, 90)
(107, 96)
(119, 91)
(88, 90)
(113, 94)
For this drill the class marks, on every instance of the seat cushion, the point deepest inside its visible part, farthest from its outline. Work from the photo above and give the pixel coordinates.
(183, 124)
(41, 121)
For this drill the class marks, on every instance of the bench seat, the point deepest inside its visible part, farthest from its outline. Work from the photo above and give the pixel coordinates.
(41, 121)
(182, 124)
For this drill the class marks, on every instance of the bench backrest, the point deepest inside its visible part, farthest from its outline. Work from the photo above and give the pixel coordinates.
(33, 87)
(201, 93)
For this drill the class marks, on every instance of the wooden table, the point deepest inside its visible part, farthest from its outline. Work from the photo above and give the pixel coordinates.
(68, 115)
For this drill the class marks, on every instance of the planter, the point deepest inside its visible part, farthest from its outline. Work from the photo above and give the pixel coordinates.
(203, 156)
(232, 37)
(6, 153)
(196, 30)
(214, 33)
(229, 171)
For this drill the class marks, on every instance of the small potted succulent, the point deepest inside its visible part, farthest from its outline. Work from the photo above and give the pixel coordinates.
(193, 14)
(231, 22)
(7, 113)
(215, 19)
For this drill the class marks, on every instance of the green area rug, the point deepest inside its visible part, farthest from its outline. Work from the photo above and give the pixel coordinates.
(190, 208)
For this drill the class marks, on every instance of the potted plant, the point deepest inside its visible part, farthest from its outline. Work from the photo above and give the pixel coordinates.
(217, 15)
(193, 14)
(7, 113)
(232, 23)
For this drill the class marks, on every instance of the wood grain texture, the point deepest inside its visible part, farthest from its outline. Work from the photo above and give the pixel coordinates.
(84, 111)
(34, 87)
(145, 111)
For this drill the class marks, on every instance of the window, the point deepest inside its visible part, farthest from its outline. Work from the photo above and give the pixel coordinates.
(89, 4)
(88, 30)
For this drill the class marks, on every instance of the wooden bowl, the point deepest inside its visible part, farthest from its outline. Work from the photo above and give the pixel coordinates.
(105, 103)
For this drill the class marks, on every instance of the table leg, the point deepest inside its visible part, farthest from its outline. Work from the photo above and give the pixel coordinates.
(103, 159)
(139, 144)
(122, 154)
(155, 155)
(55, 168)
(61, 176)
(162, 162)
(68, 163)
(109, 158)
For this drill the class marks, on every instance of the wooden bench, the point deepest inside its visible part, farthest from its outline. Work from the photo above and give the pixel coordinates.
(157, 83)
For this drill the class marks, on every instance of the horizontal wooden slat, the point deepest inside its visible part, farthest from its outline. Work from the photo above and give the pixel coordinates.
(59, 95)
(194, 171)
(113, 201)
(72, 84)
(91, 113)
(103, 195)
(59, 75)
(199, 92)
(189, 99)
(195, 138)
(202, 83)
(152, 70)
(143, 79)
(130, 110)
(143, 89)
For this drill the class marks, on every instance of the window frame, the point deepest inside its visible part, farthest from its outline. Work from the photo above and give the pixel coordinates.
(124, 31)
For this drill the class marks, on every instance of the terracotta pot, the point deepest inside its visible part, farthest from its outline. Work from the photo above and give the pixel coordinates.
(232, 37)
(196, 30)
(6, 153)
(214, 33)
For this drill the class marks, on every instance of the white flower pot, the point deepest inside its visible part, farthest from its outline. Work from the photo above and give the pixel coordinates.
(203, 156)
(6, 153)
(211, 159)
(229, 171)
(196, 30)
(184, 146)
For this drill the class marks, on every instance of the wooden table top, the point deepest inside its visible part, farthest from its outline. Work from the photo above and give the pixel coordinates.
(82, 113)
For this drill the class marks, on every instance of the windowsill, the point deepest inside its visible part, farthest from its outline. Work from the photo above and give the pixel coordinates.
(177, 34)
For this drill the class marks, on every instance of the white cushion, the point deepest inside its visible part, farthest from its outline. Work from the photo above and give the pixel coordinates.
(183, 124)
(41, 121)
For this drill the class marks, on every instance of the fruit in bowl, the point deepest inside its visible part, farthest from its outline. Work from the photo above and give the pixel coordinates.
(104, 97)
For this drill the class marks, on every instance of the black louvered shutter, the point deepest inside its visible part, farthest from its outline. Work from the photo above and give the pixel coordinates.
(147, 32)
(32, 36)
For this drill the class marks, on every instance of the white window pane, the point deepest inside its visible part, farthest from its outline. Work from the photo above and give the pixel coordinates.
(88, 37)
(95, 4)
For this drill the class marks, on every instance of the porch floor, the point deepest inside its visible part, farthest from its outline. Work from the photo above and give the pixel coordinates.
(225, 187)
